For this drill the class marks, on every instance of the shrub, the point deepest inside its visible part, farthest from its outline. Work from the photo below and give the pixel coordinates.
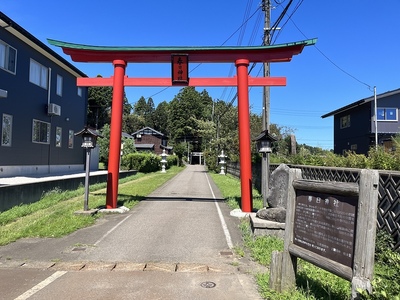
(354, 160)
(386, 282)
(172, 160)
(142, 162)
(381, 159)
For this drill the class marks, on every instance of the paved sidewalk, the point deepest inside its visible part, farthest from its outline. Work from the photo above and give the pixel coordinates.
(177, 244)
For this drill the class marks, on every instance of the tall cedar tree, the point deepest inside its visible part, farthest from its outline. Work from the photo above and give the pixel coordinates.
(99, 106)
(185, 110)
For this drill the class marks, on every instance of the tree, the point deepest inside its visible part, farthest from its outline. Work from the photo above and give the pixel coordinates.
(149, 115)
(185, 109)
(128, 146)
(104, 144)
(180, 150)
(127, 106)
(145, 110)
(160, 117)
(99, 104)
(132, 123)
(140, 107)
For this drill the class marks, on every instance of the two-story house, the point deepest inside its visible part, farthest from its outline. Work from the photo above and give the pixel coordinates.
(151, 140)
(41, 106)
(356, 128)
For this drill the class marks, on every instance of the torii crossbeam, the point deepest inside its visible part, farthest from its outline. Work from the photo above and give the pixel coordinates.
(179, 58)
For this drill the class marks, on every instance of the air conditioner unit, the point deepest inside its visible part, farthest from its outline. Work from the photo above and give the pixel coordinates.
(54, 109)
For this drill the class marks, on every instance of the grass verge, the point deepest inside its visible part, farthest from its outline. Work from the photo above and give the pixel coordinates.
(229, 186)
(53, 215)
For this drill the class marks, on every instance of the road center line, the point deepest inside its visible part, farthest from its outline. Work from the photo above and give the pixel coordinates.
(221, 217)
(41, 285)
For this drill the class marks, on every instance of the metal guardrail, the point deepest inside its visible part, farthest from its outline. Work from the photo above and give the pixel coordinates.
(388, 198)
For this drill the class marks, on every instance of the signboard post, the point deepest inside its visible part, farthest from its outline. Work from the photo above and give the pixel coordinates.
(333, 226)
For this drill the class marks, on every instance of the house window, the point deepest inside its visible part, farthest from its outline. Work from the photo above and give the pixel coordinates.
(6, 130)
(38, 74)
(58, 136)
(71, 139)
(79, 91)
(387, 114)
(59, 85)
(40, 132)
(8, 57)
(345, 121)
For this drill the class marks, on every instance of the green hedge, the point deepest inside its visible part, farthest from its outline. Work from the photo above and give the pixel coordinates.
(146, 162)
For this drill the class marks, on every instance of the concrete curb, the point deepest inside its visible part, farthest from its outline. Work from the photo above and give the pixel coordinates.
(118, 210)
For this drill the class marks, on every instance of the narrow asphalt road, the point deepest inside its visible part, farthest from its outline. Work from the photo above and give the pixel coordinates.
(176, 244)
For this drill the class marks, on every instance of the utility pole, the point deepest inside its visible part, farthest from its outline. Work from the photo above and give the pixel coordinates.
(266, 95)
(266, 7)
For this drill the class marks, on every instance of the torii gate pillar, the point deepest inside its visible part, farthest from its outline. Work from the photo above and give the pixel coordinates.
(244, 134)
(114, 154)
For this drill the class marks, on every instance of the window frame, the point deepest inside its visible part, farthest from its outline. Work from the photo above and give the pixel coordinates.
(79, 91)
(345, 122)
(58, 138)
(39, 134)
(71, 139)
(39, 81)
(385, 113)
(3, 128)
(59, 86)
(5, 65)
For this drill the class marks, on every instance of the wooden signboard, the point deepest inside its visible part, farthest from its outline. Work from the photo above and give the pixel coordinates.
(180, 69)
(325, 224)
(333, 226)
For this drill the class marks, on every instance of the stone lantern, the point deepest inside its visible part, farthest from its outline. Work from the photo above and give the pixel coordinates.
(264, 146)
(222, 162)
(163, 161)
(89, 139)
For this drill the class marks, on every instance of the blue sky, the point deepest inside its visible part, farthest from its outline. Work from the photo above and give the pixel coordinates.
(357, 48)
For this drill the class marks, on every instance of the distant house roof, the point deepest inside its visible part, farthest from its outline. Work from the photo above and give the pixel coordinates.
(148, 131)
(16, 30)
(144, 146)
(167, 147)
(360, 102)
(127, 135)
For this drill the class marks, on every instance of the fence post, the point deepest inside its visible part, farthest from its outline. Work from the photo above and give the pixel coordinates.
(289, 262)
(364, 250)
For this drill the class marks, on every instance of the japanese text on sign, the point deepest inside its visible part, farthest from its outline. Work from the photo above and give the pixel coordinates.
(325, 225)
(180, 69)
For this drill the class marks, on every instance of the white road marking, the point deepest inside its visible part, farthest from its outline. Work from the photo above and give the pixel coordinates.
(221, 218)
(41, 285)
(111, 230)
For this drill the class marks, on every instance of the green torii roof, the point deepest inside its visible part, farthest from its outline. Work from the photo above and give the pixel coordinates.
(271, 53)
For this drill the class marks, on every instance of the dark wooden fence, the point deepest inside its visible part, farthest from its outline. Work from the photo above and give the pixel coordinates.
(388, 198)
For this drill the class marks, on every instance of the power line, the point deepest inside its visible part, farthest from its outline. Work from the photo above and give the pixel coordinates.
(239, 28)
(289, 17)
(331, 61)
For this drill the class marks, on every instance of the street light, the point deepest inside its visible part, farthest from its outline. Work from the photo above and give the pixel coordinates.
(264, 146)
(89, 139)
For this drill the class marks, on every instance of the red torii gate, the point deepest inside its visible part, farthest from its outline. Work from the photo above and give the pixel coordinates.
(179, 57)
